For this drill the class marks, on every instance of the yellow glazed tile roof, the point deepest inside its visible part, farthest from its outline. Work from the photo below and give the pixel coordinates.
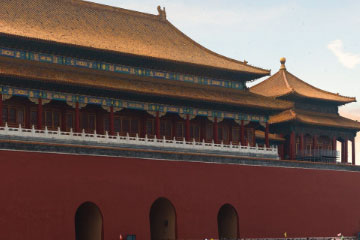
(315, 118)
(108, 28)
(273, 137)
(284, 83)
(144, 85)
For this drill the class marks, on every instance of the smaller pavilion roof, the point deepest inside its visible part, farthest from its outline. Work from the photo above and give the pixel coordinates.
(314, 118)
(272, 136)
(284, 83)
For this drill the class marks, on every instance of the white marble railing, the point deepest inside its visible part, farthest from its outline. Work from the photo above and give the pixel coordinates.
(271, 152)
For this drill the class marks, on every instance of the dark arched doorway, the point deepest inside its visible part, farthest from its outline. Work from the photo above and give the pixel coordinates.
(88, 222)
(162, 220)
(228, 222)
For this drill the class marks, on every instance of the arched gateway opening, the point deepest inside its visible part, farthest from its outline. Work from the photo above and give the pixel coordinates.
(228, 222)
(88, 222)
(162, 220)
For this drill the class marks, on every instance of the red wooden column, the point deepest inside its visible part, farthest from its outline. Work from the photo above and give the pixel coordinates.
(267, 142)
(343, 151)
(39, 114)
(157, 125)
(292, 146)
(334, 144)
(111, 121)
(314, 144)
(99, 122)
(215, 130)
(302, 147)
(27, 116)
(187, 128)
(353, 151)
(77, 117)
(202, 129)
(346, 149)
(1, 110)
(63, 119)
(242, 133)
(173, 135)
(230, 134)
(143, 129)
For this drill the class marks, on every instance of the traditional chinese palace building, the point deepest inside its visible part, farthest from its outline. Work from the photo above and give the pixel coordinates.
(116, 125)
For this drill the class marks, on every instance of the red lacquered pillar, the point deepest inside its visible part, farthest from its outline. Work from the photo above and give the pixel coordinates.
(187, 128)
(267, 142)
(39, 114)
(27, 116)
(111, 121)
(302, 147)
(173, 133)
(292, 146)
(215, 130)
(353, 151)
(1, 110)
(346, 150)
(242, 133)
(63, 119)
(77, 117)
(157, 125)
(314, 146)
(143, 122)
(334, 144)
(342, 151)
(230, 134)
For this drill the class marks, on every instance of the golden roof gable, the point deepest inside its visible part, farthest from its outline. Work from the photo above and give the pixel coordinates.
(284, 83)
(102, 27)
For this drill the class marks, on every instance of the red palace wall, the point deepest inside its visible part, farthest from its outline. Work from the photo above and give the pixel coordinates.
(40, 194)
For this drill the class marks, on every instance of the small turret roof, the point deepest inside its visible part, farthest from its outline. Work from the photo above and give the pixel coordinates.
(284, 83)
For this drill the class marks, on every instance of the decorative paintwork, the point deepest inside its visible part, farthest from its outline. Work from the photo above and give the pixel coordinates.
(117, 103)
(136, 71)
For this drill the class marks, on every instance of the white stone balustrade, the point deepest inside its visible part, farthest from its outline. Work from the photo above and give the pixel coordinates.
(271, 152)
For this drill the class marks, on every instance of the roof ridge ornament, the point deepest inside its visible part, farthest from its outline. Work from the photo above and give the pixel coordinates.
(282, 61)
(162, 13)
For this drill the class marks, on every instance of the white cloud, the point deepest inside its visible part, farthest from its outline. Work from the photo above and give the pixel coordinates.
(349, 60)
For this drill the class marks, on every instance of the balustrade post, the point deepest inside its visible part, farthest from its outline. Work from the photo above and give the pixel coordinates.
(1, 110)
(187, 128)
(267, 142)
(77, 117)
(353, 151)
(215, 130)
(39, 114)
(111, 121)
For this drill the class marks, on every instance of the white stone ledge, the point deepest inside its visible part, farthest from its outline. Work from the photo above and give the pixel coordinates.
(94, 138)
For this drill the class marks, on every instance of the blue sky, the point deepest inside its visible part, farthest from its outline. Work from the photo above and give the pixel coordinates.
(320, 39)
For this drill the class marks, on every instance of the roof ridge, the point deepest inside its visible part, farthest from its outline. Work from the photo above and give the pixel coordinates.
(214, 53)
(293, 113)
(313, 87)
(114, 9)
(156, 17)
(286, 80)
